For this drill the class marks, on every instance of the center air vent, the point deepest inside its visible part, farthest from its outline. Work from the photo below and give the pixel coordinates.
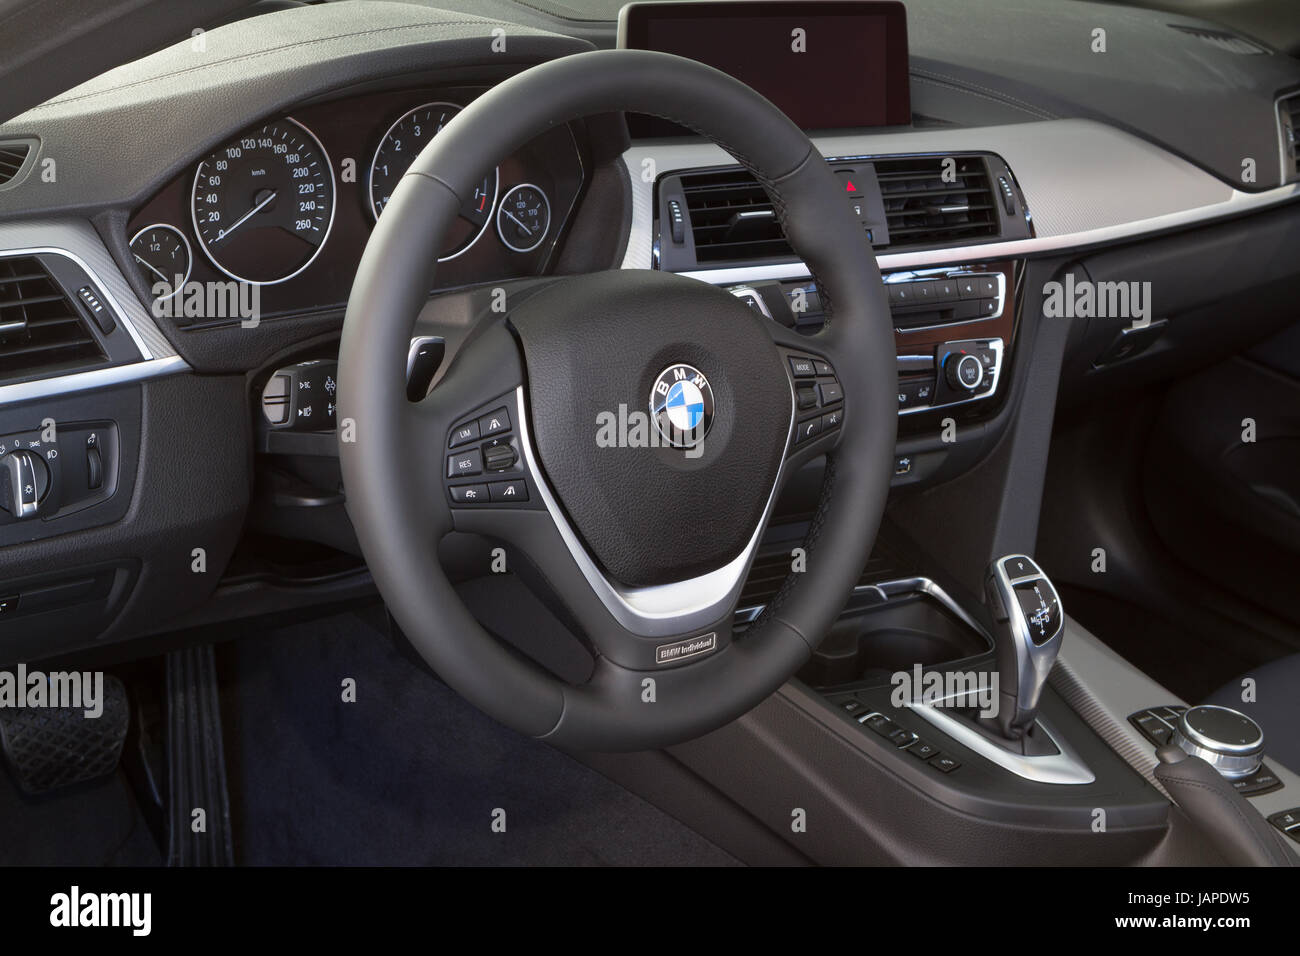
(41, 329)
(732, 218)
(722, 217)
(12, 157)
(928, 203)
(1288, 117)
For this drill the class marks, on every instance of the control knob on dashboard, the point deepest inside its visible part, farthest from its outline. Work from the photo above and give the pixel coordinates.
(24, 479)
(1226, 739)
(964, 371)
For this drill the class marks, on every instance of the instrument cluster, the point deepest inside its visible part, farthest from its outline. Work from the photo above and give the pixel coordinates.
(287, 204)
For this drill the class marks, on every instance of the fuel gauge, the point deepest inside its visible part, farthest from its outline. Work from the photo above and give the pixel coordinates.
(163, 254)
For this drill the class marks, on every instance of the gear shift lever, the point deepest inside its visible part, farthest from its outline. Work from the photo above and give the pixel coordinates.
(1029, 625)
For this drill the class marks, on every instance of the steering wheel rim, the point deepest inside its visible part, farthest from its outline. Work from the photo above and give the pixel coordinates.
(393, 452)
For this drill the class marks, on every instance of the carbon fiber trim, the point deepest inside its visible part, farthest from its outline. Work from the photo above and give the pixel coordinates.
(1135, 751)
(78, 237)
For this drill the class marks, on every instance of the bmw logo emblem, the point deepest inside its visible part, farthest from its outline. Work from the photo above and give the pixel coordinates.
(681, 404)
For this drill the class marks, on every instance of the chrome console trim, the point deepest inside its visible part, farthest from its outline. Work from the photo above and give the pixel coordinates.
(665, 610)
(1065, 767)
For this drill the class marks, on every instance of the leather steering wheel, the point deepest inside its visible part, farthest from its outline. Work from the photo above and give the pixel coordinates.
(645, 540)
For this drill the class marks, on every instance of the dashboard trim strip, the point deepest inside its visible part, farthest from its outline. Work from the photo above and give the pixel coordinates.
(95, 378)
(1067, 213)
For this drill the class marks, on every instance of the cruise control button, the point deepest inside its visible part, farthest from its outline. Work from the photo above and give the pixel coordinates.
(469, 494)
(493, 422)
(468, 462)
(498, 455)
(830, 392)
(514, 490)
(463, 433)
(802, 367)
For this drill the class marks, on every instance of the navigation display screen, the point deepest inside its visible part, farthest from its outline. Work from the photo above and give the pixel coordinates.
(826, 64)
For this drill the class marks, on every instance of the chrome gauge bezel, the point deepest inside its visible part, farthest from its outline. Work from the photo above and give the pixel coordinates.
(329, 226)
(501, 208)
(189, 254)
(374, 160)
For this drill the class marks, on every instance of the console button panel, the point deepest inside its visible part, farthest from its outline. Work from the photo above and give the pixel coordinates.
(958, 372)
(484, 463)
(1156, 724)
(819, 397)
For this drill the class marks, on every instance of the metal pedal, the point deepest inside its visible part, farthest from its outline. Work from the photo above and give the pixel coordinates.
(47, 748)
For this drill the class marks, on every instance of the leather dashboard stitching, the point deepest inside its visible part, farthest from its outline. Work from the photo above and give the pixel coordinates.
(971, 87)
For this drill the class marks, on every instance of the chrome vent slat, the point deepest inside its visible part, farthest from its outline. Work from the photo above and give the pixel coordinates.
(926, 204)
(40, 326)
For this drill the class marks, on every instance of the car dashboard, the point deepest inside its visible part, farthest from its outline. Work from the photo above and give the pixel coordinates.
(191, 475)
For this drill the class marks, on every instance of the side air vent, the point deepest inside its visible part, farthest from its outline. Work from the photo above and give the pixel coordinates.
(41, 329)
(12, 157)
(1223, 40)
(732, 218)
(927, 205)
(1288, 117)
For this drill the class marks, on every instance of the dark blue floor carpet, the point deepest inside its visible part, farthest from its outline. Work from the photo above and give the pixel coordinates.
(409, 774)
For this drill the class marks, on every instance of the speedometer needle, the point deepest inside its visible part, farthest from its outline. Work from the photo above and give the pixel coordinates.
(518, 223)
(246, 216)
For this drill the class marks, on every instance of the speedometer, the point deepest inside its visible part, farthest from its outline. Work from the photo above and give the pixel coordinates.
(264, 202)
(397, 151)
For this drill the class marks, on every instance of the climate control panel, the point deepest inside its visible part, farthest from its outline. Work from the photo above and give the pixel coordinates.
(954, 373)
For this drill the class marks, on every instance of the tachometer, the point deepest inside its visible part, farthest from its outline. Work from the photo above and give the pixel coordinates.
(264, 203)
(397, 151)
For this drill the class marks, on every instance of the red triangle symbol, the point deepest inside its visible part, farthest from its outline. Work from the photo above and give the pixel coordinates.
(849, 187)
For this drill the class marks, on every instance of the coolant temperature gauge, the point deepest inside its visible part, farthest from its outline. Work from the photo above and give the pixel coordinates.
(523, 217)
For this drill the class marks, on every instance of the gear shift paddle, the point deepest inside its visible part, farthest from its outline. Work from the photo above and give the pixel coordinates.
(1028, 628)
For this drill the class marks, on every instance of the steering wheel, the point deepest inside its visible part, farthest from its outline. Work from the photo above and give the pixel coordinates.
(644, 527)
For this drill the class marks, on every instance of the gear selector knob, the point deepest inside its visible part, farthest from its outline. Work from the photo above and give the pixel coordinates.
(1029, 625)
